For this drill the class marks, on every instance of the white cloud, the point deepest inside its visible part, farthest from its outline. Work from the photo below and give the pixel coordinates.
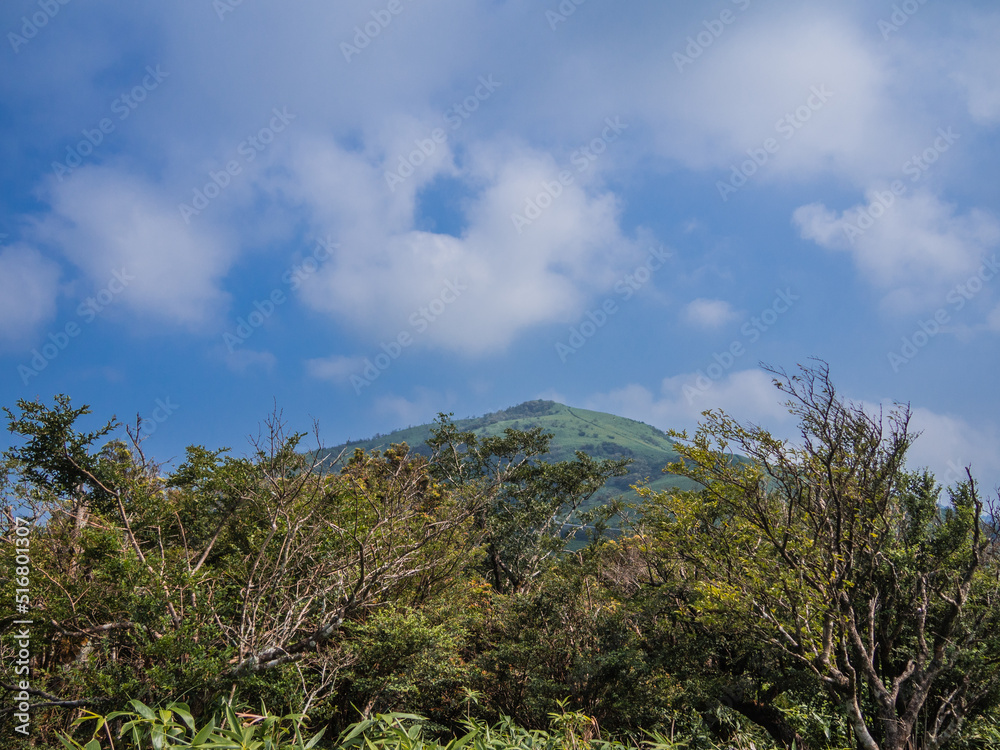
(242, 360)
(336, 368)
(476, 292)
(106, 221)
(946, 445)
(978, 69)
(397, 411)
(355, 119)
(993, 319)
(949, 443)
(29, 287)
(915, 248)
(398, 88)
(765, 66)
(709, 313)
(748, 395)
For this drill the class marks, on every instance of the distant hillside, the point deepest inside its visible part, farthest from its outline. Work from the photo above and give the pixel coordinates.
(598, 434)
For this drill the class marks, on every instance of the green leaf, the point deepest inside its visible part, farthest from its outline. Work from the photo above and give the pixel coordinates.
(458, 744)
(314, 739)
(205, 732)
(71, 744)
(143, 710)
(184, 712)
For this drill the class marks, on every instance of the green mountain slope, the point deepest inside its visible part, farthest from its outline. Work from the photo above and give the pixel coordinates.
(596, 433)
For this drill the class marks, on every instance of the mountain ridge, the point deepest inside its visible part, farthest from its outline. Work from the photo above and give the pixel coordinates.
(599, 434)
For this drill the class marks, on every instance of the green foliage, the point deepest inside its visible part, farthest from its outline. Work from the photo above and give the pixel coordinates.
(55, 457)
(648, 448)
(838, 562)
(402, 657)
(528, 501)
(400, 585)
(174, 726)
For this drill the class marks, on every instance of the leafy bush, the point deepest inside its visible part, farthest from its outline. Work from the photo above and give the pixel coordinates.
(146, 728)
(174, 726)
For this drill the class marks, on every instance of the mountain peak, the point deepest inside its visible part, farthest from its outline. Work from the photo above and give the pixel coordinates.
(597, 434)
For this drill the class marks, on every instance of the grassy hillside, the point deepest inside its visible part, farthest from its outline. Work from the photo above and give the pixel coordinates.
(596, 433)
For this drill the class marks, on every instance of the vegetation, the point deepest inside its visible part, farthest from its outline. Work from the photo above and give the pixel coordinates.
(816, 595)
(595, 433)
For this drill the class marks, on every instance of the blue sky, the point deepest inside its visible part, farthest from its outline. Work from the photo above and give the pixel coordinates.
(369, 212)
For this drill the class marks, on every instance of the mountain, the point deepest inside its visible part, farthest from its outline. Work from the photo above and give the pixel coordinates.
(596, 433)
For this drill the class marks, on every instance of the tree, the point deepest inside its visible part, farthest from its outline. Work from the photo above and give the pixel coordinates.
(203, 579)
(258, 575)
(528, 502)
(833, 555)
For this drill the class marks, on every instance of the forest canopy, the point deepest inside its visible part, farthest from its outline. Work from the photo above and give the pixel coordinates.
(818, 593)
